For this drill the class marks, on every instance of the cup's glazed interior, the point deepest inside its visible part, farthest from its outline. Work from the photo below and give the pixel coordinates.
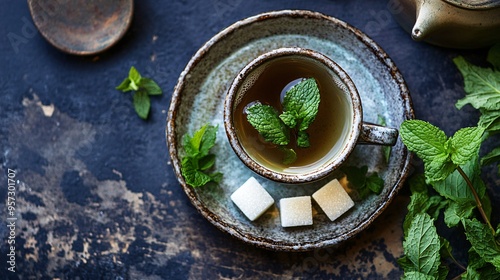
(339, 149)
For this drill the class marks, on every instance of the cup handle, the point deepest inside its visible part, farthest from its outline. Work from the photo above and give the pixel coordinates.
(377, 134)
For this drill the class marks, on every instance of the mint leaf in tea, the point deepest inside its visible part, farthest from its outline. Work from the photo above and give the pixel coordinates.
(292, 115)
(300, 107)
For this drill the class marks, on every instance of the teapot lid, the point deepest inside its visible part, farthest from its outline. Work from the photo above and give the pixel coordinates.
(475, 4)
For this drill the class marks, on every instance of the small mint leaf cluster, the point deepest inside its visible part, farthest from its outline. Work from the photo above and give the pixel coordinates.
(198, 159)
(441, 155)
(143, 87)
(363, 183)
(300, 107)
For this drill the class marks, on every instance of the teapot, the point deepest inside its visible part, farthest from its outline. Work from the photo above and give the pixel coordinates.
(463, 24)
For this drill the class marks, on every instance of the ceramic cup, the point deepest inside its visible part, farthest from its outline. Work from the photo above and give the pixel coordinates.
(332, 80)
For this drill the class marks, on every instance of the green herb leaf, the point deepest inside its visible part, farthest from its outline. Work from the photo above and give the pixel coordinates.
(363, 184)
(289, 155)
(207, 161)
(134, 76)
(192, 174)
(151, 87)
(207, 140)
(302, 102)
(455, 188)
(415, 275)
(422, 245)
(494, 56)
(491, 157)
(289, 119)
(303, 140)
(142, 104)
(421, 202)
(375, 183)
(465, 144)
(265, 119)
(197, 159)
(478, 269)
(483, 241)
(458, 210)
(125, 85)
(430, 144)
(490, 120)
(142, 87)
(482, 86)
(424, 139)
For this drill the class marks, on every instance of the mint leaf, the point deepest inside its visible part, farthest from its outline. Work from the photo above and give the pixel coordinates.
(430, 144)
(421, 202)
(197, 159)
(151, 87)
(142, 87)
(483, 241)
(490, 120)
(415, 275)
(125, 85)
(440, 154)
(289, 155)
(424, 139)
(455, 188)
(265, 119)
(142, 104)
(289, 119)
(465, 144)
(491, 157)
(458, 210)
(375, 183)
(361, 183)
(303, 140)
(206, 162)
(207, 140)
(422, 245)
(478, 269)
(494, 56)
(301, 103)
(192, 174)
(135, 78)
(482, 85)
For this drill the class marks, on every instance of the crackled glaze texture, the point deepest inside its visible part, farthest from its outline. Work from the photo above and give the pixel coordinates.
(199, 97)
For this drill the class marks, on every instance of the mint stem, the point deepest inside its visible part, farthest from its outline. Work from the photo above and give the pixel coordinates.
(476, 197)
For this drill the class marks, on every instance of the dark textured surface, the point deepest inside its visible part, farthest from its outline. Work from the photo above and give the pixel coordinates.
(96, 197)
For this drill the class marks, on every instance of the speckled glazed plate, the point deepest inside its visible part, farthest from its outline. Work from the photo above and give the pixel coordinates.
(199, 96)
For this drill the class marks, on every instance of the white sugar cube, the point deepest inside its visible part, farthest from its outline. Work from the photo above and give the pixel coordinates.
(252, 199)
(333, 199)
(296, 211)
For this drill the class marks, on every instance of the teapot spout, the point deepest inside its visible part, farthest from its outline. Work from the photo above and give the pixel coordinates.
(426, 20)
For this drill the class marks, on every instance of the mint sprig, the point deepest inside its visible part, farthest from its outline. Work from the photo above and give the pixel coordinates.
(363, 183)
(482, 88)
(453, 169)
(300, 107)
(197, 159)
(143, 88)
(441, 155)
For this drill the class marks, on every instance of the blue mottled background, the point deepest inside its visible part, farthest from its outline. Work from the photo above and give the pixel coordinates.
(96, 196)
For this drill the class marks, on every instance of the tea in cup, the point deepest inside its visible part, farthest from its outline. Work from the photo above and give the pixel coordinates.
(302, 149)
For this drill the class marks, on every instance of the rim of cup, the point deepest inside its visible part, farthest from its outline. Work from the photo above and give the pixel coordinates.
(343, 81)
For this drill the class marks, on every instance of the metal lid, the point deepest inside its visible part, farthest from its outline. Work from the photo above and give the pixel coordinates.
(475, 4)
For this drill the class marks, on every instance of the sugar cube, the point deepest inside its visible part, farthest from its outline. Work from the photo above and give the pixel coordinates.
(333, 199)
(252, 199)
(296, 211)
